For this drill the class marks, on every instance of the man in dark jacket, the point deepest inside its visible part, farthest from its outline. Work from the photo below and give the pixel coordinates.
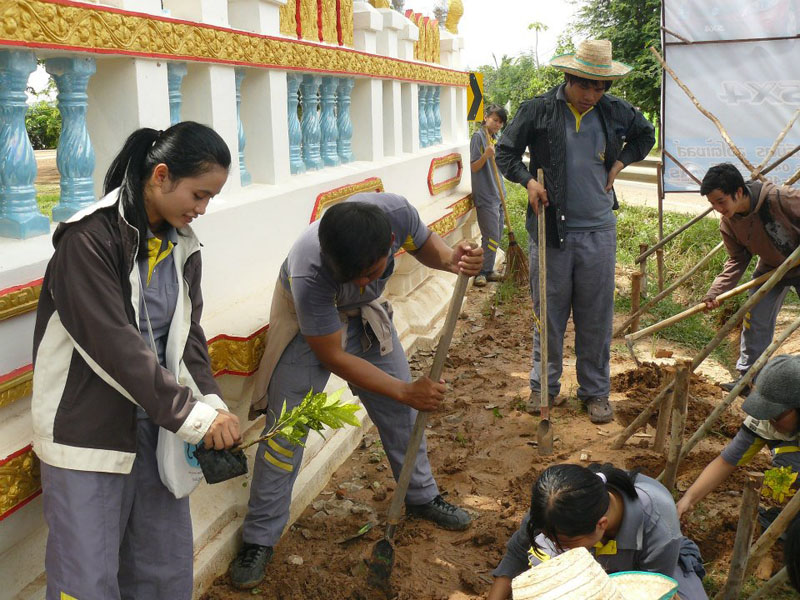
(581, 137)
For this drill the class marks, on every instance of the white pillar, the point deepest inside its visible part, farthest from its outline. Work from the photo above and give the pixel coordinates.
(266, 121)
(451, 119)
(410, 110)
(366, 113)
(408, 35)
(392, 119)
(212, 12)
(393, 23)
(124, 95)
(448, 45)
(258, 16)
(209, 97)
(367, 21)
(461, 126)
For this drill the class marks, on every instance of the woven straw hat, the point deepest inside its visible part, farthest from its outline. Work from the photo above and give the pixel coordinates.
(576, 575)
(573, 575)
(591, 61)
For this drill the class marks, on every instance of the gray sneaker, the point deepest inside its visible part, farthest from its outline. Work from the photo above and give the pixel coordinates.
(441, 512)
(247, 569)
(534, 406)
(480, 281)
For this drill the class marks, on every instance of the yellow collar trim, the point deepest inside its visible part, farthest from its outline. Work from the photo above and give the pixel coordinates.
(155, 254)
(578, 116)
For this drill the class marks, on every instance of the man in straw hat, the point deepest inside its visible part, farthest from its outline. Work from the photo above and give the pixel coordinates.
(581, 137)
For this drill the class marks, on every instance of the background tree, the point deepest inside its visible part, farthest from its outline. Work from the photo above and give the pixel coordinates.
(632, 26)
(43, 120)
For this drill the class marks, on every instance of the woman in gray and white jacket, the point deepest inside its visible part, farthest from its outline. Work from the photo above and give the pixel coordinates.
(101, 392)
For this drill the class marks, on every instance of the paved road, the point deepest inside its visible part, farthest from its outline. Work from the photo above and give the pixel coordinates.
(646, 194)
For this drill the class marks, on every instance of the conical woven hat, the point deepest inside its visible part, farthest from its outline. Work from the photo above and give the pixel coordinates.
(573, 575)
(644, 585)
(592, 60)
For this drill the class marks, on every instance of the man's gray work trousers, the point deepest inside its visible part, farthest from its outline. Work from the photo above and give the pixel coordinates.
(758, 325)
(580, 279)
(115, 536)
(278, 462)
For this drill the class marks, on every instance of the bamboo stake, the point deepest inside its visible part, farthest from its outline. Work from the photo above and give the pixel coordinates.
(660, 267)
(786, 156)
(643, 269)
(773, 532)
(774, 147)
(674, 234)
(793, 178)
(773, 584)
(706, 113)
(663, 294)
(664, 414)
(734, 320)
(698, 308)
(680, 399)
(744, 535)
(712, 418)
(636, 291)
(691, 175)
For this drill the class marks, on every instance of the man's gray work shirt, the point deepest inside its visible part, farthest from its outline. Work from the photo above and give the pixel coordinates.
(318, 297)
(588, 206)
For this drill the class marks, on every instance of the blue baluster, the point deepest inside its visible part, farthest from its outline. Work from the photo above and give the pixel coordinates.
(430, 116)
(423, 117)
(310, 123)
(343, 144)
(175, 74)
(245, 176)
(330, 131)
(75, 156)
(19, 214)
(437, 114)
(296, 163)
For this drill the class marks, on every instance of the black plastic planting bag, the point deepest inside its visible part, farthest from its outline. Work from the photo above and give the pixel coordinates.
(221, 465)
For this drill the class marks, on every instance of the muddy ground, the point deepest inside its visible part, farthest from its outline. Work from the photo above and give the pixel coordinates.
(483, 450)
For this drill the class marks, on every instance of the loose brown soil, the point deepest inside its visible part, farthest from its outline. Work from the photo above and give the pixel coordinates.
(483, 450)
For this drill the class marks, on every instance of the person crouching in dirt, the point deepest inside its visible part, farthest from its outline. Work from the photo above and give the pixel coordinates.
(328, 316)
(773, 409)
(757, 219)
(627, 520)
(581, 137)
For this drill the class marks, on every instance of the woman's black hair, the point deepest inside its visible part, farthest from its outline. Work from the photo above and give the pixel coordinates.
(496, 109)
(188, 149)
(568, 500)
(791, 553)
(575, 79)
(353, 236)
(724, 177)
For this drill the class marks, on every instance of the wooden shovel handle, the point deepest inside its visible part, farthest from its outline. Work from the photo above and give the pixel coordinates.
(410, 460)
(544, 389)
(499, 185)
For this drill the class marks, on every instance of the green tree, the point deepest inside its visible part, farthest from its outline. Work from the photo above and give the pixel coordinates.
(632, 26)
(43, 122)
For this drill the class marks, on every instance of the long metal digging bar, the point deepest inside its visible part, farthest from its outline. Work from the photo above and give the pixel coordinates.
(777, 275)
(382, 560)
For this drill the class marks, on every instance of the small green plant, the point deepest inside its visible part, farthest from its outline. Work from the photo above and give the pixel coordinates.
(778, 483)
(496, 413)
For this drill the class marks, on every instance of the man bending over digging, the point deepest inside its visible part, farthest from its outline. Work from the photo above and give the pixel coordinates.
(328, 316)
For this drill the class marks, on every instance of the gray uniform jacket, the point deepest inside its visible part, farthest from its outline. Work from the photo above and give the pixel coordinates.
(92, 367)
(540, 127)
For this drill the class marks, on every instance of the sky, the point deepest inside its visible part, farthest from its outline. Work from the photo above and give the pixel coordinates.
(501, 27)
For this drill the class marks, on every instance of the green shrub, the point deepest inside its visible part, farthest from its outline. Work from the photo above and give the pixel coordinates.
(43, 122)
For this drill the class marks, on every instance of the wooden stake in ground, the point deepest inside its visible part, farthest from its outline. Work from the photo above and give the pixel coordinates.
(664, 414)
(660, 268)
(744, 535)
(643, 269)
(680, 400)
(636, 293)
(732, 322)
(773, 532)
(516, 261)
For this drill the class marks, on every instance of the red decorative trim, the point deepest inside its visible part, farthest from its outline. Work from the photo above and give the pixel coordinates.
(440, 161)
(339, 22)
(298, 18)
(15, 288)
(20, 452)
(13, 374)
(319, 20)
(373, 184)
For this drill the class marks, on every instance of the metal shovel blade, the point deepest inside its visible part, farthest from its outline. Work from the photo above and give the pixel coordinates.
(380, 565)
(544, 434)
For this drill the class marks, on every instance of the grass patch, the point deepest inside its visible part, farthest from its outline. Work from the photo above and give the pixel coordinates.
(47, 196)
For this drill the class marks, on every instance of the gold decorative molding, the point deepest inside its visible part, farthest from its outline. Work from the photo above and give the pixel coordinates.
(435, 41)
(16, 385)
(62, 25)
(441, 161)
(19, 481)
(326, 199)
(236, 355)
(19, 299)
(380, 3)
(308, 20)
(288, 18)
(463, 206)
(455, 10)
(329, 18)
(444, 225)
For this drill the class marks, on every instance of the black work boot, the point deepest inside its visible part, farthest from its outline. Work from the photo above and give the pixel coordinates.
(247, 569)
(729, 385)
(441, 512)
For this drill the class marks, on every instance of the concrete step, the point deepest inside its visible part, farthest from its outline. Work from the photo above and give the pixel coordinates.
(638, 172)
